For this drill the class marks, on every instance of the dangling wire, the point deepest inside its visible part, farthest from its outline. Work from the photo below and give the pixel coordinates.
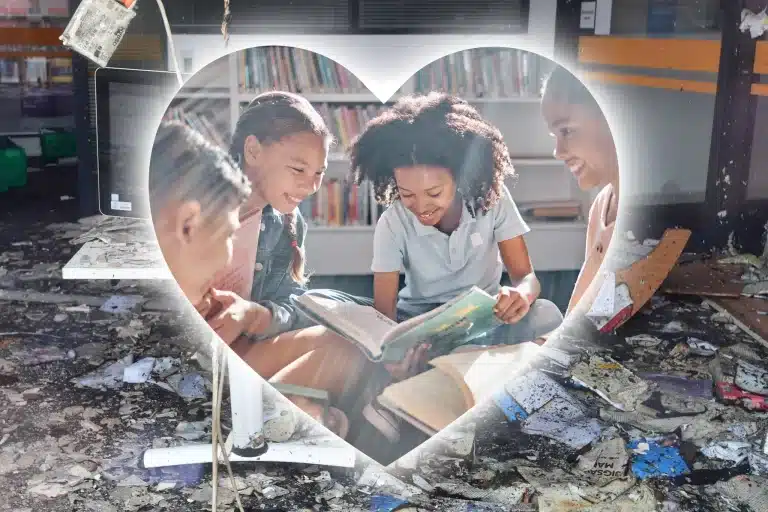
(167, 25)
(225, 22)
(218, 358)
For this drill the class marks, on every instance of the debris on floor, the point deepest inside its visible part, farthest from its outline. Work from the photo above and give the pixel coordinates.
(668, 414)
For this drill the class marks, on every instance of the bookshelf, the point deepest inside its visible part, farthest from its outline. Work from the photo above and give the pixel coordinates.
(501, 83)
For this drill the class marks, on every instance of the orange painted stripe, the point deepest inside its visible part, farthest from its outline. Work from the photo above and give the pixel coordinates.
(678, 54)
(31, 36)
(759, 89)
(673, 84)
(761, 58)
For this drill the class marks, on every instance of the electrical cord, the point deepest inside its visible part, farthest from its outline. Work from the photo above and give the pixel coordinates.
(216, 440)
(171, 47)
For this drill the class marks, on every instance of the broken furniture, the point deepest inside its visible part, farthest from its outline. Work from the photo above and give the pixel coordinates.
(624, 290)
(141, 259)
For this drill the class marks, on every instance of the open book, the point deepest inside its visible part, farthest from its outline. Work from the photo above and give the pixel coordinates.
(464, 318)
(436, 398)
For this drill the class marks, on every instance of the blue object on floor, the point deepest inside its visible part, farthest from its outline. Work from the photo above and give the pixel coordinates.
(381, 503)
(658, 461)
(509, 407)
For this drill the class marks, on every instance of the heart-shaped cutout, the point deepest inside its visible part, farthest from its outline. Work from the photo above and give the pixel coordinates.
(240, 261)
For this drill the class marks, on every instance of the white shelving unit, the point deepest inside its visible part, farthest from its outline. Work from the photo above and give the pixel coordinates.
(348, 250)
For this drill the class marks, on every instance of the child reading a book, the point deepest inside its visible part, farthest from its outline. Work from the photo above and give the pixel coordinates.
(196, 192)
(451, 222)
(584, 142)
(282, 144)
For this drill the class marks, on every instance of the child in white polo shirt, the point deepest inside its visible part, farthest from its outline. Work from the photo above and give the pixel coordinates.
(451, 222)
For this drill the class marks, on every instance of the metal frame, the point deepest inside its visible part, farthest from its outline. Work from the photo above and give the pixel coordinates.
(730, 148)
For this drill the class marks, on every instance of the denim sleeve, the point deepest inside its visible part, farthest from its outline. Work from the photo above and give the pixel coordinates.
(285, 317)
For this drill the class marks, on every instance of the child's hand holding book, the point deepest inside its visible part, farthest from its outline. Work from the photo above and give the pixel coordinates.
(414, 363)
(511, 305)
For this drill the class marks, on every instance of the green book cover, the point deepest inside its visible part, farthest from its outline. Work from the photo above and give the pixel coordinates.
(453, 324)
(456, 323)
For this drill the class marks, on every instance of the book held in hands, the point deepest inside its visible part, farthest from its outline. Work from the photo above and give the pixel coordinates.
(455, 323)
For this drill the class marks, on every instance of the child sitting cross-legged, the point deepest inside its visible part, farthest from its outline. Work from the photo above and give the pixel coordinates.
(451, 222)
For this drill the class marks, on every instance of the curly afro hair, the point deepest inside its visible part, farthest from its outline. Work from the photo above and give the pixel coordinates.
(435, 130)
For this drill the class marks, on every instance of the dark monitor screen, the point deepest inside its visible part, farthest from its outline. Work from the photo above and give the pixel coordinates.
(129, 106)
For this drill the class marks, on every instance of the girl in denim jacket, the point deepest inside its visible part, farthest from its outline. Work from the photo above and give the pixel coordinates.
(281, 143)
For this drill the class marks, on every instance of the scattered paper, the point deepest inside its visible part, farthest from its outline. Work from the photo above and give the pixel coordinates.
(611, 381)
(564, 421)
(755, 23)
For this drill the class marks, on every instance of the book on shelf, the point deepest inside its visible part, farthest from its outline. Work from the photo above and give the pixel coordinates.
(340, 203)
(346, 122)
(455, 323)
(201, 123)
(475, 73)
(485, 73)
(293, 69)
(456, 383)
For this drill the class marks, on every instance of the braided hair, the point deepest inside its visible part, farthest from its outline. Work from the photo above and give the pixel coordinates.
(270, 117)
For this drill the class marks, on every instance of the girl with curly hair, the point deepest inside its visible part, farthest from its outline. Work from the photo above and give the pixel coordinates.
(451, 222)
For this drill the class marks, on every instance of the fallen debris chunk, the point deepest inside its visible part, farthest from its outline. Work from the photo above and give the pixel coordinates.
(611, 381)
(382, 481)
(108, 377)
(734, 451)
(656, 458)
(565, 421)
(752, 378)
(606, 462)
(139, 372)
(701, 348)
(748, 490)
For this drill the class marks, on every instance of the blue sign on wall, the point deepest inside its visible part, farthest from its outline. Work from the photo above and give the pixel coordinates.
(662, 16)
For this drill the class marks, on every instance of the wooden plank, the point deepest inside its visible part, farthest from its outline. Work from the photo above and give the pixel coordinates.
(746, 313)
(705, 279)
(678, 54)
(732, 128)
(646, 276)
(643, 278)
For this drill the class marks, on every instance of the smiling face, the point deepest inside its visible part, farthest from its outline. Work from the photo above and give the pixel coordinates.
(583, 141)
(288, 171)
(427, 191)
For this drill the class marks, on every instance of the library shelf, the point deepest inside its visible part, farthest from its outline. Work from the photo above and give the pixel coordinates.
(508, 101)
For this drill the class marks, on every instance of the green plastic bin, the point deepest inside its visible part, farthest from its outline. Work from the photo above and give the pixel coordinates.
(56, 143)
(13, 165)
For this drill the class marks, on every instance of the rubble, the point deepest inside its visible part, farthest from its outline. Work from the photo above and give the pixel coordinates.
(670, 414)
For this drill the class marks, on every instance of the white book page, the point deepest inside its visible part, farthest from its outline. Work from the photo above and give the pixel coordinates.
(362, 323)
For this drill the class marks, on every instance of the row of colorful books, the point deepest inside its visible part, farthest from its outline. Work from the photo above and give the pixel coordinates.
(480, 72)
(340, 203)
